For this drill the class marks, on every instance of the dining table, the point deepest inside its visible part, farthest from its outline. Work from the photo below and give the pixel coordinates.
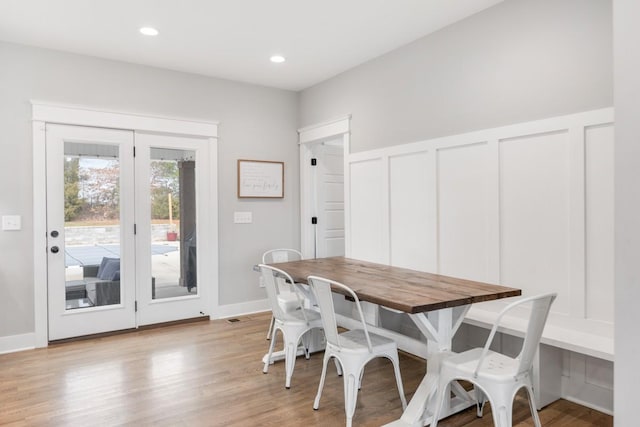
(437, 305)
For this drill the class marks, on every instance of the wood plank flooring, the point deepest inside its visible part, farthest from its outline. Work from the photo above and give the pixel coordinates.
(210, 374)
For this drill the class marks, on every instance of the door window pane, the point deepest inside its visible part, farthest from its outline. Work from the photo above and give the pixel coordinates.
(173, 223)
(92, 225)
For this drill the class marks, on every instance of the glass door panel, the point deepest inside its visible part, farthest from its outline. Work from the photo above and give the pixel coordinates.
(173, 223)
(92, 225)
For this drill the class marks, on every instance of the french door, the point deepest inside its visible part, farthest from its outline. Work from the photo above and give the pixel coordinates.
(123, 216)
(168, 270)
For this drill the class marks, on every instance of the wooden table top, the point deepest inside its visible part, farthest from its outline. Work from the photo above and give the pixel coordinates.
(394, 287)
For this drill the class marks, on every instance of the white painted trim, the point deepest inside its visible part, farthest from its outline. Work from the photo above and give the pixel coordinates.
(40, 235)
(74, 115)
(346, 141)
(15, 343)
(42, 113)
(241, 309)
(586, 119)
(307, 136)
(213, 227)
(588, 404)
(577, 222)
(324, 130)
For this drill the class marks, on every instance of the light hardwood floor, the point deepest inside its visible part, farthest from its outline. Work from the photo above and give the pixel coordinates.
(210, 374)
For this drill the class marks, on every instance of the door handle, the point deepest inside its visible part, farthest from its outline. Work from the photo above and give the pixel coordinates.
(55, 249)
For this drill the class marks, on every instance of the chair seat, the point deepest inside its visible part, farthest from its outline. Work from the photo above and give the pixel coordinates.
(495, 365)
(356, 340)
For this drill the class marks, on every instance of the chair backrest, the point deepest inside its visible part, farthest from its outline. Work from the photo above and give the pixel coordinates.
(321, 288)
(271, 276)
(540, 306)
(281, 255)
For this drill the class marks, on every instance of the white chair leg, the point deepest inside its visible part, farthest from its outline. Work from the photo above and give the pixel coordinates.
(273, 319)
(501, 409)
(396, 369)
(325, 362)
(350, 395)
(271, 345)
(306, 340)
(290, 352)
(532, 406)
(440, 396)
(338, 366)
(481, 399)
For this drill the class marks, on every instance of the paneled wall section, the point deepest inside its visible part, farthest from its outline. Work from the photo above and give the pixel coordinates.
(528, 205)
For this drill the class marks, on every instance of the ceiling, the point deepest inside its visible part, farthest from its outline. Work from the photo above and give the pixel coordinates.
(233, 39)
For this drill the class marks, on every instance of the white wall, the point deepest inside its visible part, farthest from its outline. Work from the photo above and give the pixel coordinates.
(627, 209)
(255, 123)
(520, 60)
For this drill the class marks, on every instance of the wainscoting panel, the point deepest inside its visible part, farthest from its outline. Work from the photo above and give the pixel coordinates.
(411, 211)
(534, 215)
(367, 211)
(463, 211)
(527, 205)
(599, 222)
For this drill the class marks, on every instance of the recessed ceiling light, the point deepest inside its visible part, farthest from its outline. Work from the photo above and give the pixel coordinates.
(277, 59)
(149, 31)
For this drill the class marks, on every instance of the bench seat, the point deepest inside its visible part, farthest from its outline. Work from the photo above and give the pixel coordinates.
(584, 336)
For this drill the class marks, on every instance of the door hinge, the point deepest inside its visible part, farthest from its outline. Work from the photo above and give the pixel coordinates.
(134, 151)
(135, 229)
(314, 220)
(135, 305)
(314, 162)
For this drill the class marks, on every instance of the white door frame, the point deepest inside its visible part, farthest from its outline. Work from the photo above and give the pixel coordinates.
(42, 113)
(307, 136)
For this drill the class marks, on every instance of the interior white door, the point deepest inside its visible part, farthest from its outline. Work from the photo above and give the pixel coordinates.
(90, 240)
(329, 198)
(173, 256)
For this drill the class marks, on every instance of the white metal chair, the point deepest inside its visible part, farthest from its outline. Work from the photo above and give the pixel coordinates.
(294, 324)
(288, 300)
(352, 349)
(497, 377)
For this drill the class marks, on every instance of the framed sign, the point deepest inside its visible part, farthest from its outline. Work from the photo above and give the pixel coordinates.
(260, 178)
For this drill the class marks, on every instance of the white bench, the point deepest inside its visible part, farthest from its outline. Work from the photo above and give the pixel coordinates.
(583, 336)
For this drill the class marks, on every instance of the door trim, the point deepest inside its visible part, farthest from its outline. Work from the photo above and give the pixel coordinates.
(42, 113)
(307, 136)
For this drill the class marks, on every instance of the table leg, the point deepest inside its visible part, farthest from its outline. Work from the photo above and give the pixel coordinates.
(439, 328)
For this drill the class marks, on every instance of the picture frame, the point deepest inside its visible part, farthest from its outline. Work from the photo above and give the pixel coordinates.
(260, 179)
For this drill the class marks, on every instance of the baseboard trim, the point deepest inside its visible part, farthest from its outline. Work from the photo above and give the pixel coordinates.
(14, 343)
(588, 404)
(241, 309)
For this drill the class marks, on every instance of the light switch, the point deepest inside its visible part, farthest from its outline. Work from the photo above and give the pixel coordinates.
(11, 222)
(242, 217)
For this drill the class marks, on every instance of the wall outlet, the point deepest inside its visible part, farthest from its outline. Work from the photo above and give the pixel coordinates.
(242, 217)
(261, 282)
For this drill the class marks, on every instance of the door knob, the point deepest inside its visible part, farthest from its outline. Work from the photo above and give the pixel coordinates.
(55, 249)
